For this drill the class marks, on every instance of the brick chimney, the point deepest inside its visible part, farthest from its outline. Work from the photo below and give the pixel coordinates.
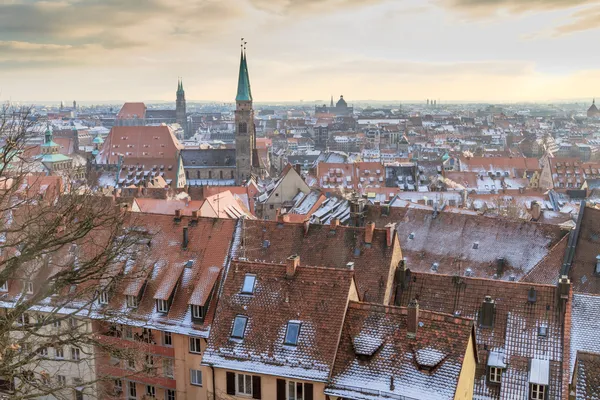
(292, 264)
(195, 214)
(177, 215)
(369, 230)
(306, 227)
(412, 319)
(389, 233)
(334, 224)
(536, 210)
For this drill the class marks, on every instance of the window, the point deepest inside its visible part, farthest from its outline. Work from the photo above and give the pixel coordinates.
(295, 390)
(118, 386)
(197, 312)
(78, 394)
(168, 368)
(169, 394)
(292, 333)
(103, 299)
(167, 339)
(56, 324)
(132, 390)
(538, 392)
(24, 319)
(4, 287)
(242, 127)
(131, 364)
(248, 287)
(239, 327)
(132, 301)
(59, 353)
(243, 384)
(149, 361)
(61, 380)
(150, 391)
(29, 287)
(128, 333)
(75, 353)
(42, 351)
(162, 306)
(196, 377)
(194, 345)
(495, 374)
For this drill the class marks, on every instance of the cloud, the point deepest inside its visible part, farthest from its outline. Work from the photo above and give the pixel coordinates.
(586, 19)
(306, 7)
(490, 7)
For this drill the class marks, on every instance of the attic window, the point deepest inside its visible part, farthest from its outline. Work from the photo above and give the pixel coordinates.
(239, 327)
(539, 377)
(292, 333)
(542, 331)
(162, 306)
(132, 301)
(248, 287)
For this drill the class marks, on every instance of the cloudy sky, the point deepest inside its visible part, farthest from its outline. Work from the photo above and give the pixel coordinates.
(476, 50)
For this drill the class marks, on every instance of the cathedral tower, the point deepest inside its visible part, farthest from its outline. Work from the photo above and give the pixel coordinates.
(244, 124)
(180, 112)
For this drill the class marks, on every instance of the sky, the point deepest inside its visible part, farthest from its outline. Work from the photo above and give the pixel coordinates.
(402, 50)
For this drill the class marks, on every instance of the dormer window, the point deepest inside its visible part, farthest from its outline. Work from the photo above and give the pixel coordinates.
(248, 287)
(495, 374)
(197, 312)
(239, 327)
(162, 306)
(291, 334)
(496, 365)
(538, 392)
(132, 301)
(539, 378)
(103, 298)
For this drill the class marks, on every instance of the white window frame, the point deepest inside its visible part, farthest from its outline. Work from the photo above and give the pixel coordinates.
(151, 390)
(170, 394)
(287, 330)
(56, 323)
(167, 337)
(495, 374)
(195, 345)
(103, 297)
(246, 382)
(294, 384)
(197, 312)
(131, 364)
(538, 392)
(168, 368)
(59, 353)
(131, 390)
(61, 380)
(132, 301)
(4, 287)
(29, 287)
(75, 354)
(162, 306)
(247, 279)
(194, 374)
(42, 351)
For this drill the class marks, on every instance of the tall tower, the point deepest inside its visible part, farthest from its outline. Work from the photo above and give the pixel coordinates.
(244, 123)
(180, 113)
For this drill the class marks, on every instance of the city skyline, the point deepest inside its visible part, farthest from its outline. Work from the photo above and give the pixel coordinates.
(459, 50)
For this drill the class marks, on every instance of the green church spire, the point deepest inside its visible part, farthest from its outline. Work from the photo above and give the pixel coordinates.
(244, 93)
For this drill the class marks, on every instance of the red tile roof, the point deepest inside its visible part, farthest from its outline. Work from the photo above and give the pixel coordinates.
(588, 376)
(140, 142)
(315, 297)
(374, 263)
(132, 110)
(587, 249)
(394, 356)
(516, 321)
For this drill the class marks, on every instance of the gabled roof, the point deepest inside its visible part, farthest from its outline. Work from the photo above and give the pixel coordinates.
(588, 376)
(314, 297)
(374, 263)
(376, 358)
(585, 326)
(516, 321)
(132, 110)
(130, 141)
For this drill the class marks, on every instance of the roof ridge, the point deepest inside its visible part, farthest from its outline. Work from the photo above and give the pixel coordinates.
(391, 309)
(494, 281)
(274, 264)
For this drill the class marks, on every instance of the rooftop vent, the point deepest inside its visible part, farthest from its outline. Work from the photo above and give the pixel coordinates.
(542, 330)
(266, 244)
(486, 316)
(411, 235)
(435, 266)
(475, 245)
(468, 272)
(532, 295)
(189, 263)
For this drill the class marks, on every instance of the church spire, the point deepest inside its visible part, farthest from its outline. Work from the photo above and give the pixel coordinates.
(331, 104)
(243, 92)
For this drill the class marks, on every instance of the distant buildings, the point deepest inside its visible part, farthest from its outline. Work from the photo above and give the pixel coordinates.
(340, 109)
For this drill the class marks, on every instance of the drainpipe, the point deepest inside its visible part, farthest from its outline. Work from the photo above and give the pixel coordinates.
(213, 381)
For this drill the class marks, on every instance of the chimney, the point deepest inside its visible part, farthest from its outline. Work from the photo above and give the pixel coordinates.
(292, 264)
(195, 214)
(298, 169)
(536, 210)
(500, 266)
(389, 233)
(185, 237)
(486, 316)
(564, 286)
(334, 224)
(369, 230)
(412, 319)
(306, 227)
(177, 215)
(283, 218)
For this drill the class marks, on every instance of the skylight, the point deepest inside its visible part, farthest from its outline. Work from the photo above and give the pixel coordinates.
(239, 327)
(248, 287)
(292, 333)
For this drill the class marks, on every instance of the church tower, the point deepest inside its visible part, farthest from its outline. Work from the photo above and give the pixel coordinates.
(244, 124)
(180, 112)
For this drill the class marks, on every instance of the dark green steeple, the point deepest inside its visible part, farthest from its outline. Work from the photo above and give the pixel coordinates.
(244, 93)
(180, 90)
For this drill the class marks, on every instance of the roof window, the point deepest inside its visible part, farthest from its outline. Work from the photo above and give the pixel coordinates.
(475, 245)
(411, 235)
(239, 327)
(542, 330)
(292, 333)
(248, 287)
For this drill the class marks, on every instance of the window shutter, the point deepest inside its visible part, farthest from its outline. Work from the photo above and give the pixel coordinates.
(308, 391)
(280, 389)
(230, 383)
(256, 387)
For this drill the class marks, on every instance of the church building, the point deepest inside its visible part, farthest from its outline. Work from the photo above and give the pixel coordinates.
(340, 109)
